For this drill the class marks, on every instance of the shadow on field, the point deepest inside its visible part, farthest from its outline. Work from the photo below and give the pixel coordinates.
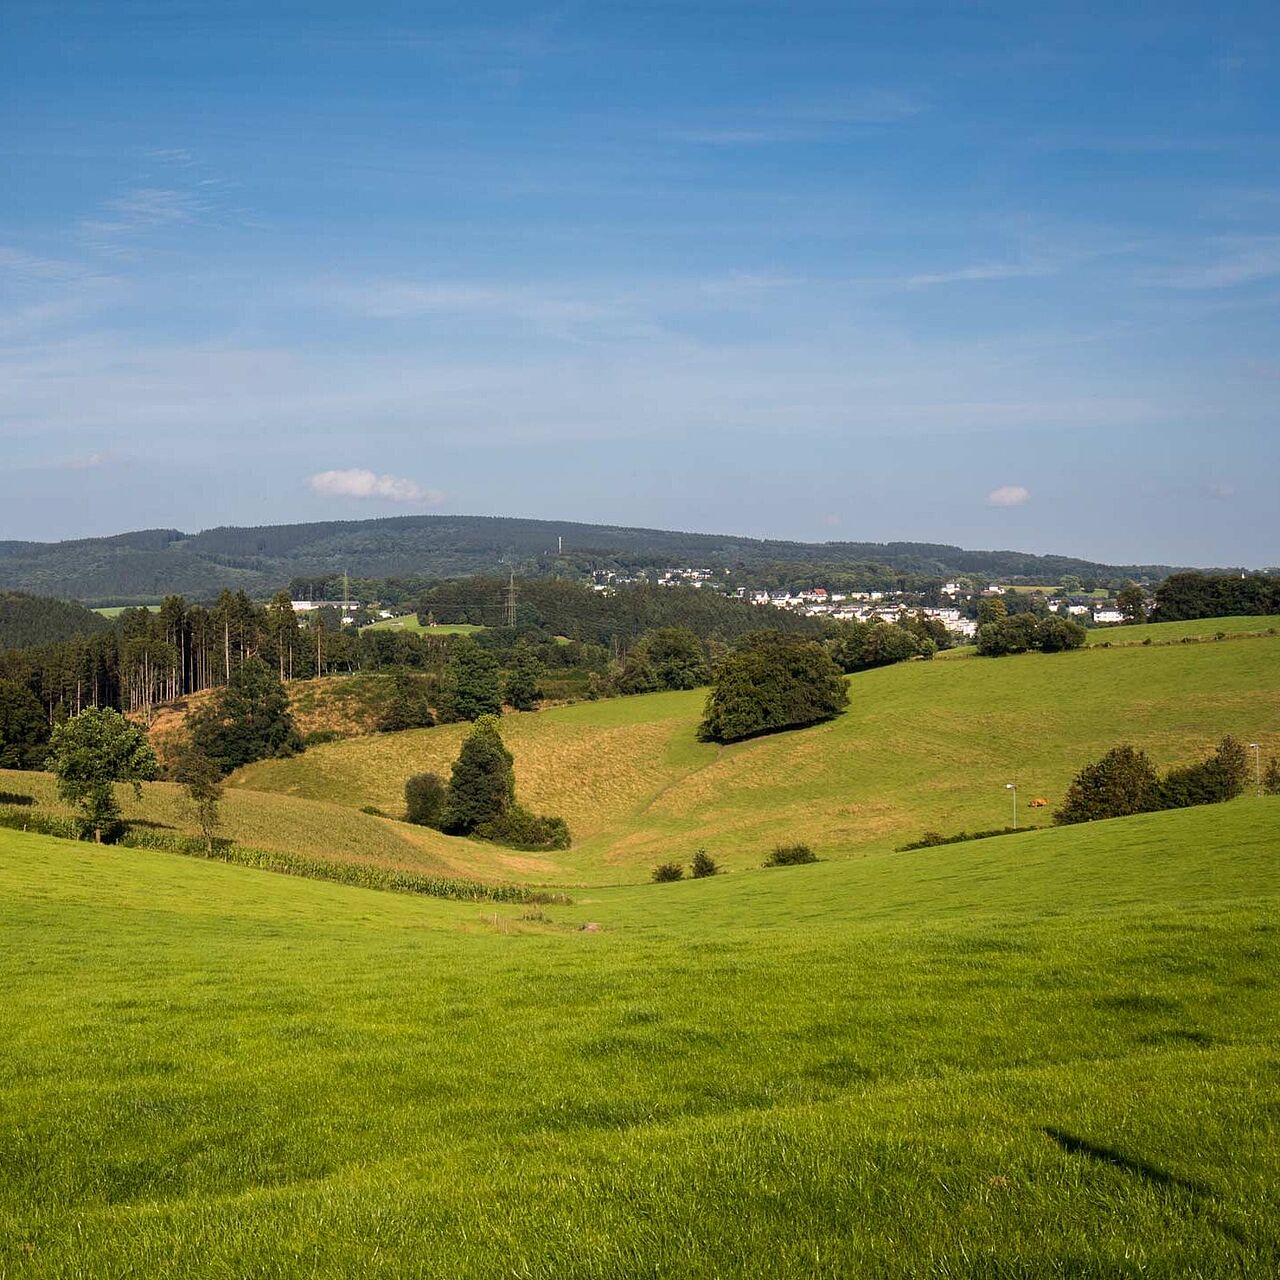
(1118, 1160)
(1162, 1178)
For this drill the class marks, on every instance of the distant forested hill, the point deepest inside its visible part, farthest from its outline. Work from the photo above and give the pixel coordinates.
(31, 620)
(145, 566)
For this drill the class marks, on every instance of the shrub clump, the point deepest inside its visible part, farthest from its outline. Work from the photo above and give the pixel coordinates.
(932, 839)
(518, 828)
(1125, 782)
(790, 855)
(771, 681)
(703, 865)
(480, 797)
(424, 799)
(1025, 632)
(666, 872)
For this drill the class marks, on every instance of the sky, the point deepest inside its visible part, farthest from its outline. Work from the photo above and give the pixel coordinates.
(999, 275)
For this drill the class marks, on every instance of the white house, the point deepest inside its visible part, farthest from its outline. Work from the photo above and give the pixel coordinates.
(1107, 616)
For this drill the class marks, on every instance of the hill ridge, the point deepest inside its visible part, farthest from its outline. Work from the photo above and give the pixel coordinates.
(144, 565)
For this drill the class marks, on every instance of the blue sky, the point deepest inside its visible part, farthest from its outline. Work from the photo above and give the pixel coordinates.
(1004, 275)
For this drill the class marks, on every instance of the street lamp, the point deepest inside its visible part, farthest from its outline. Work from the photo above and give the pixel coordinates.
(1257, 764)
(1013, 787)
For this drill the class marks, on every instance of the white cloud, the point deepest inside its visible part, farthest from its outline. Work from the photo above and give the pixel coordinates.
(1008, 495)
(360, 483)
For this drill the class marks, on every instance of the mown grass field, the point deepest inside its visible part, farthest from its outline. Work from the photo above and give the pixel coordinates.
(924, 745)
(1043, 1055)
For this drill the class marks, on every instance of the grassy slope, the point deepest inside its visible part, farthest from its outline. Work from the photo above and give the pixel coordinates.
(1199, 629)
(846, 1069)
(293, 825)
(924, 745)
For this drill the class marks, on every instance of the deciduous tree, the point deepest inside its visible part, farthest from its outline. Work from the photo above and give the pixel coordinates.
(90, 753)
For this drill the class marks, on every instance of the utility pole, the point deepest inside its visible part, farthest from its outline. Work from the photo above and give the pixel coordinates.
(511, 601)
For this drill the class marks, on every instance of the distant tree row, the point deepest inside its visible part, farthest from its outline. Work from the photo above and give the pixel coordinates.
(614, 619)
(1184, 597)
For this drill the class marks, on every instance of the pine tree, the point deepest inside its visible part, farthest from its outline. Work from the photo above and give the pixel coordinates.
(482, 783)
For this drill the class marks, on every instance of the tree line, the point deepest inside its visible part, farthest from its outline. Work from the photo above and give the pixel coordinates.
(1184, 597)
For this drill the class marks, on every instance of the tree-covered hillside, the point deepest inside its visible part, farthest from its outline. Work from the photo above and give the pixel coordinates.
(146, 566)
(30, 620)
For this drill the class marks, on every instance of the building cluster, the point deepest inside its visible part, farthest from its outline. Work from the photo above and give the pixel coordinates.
(859, 606)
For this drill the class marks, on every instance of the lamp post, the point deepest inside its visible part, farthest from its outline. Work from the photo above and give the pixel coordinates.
(1013, 787)
(1257, 765)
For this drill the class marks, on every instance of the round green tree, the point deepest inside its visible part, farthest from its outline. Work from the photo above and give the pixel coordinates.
(90, 753)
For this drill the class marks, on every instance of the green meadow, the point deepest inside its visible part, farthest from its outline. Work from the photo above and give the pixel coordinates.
(1232, 628)
(1051, 1054)
(410, 622)
(115, 610)
(923, 746)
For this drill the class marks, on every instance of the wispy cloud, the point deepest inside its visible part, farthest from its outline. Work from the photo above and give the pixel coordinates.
(1009, 495)
(980, 272)
(138, 211)
(360, 483)
(1232, 261)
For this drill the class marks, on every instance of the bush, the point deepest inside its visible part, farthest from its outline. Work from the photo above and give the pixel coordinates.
(773, 681)
(517, 828)
(666, 872)
(424, 799)
(408, 707)
(1123, 782)
(790, 855)
(1271, 778)
(1024, 632)
(703, 865)
(932, 839)
(318, 737)
(1222, 776)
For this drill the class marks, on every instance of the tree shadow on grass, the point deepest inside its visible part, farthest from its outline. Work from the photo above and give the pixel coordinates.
(1128, 1164)
(1155, 1176)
